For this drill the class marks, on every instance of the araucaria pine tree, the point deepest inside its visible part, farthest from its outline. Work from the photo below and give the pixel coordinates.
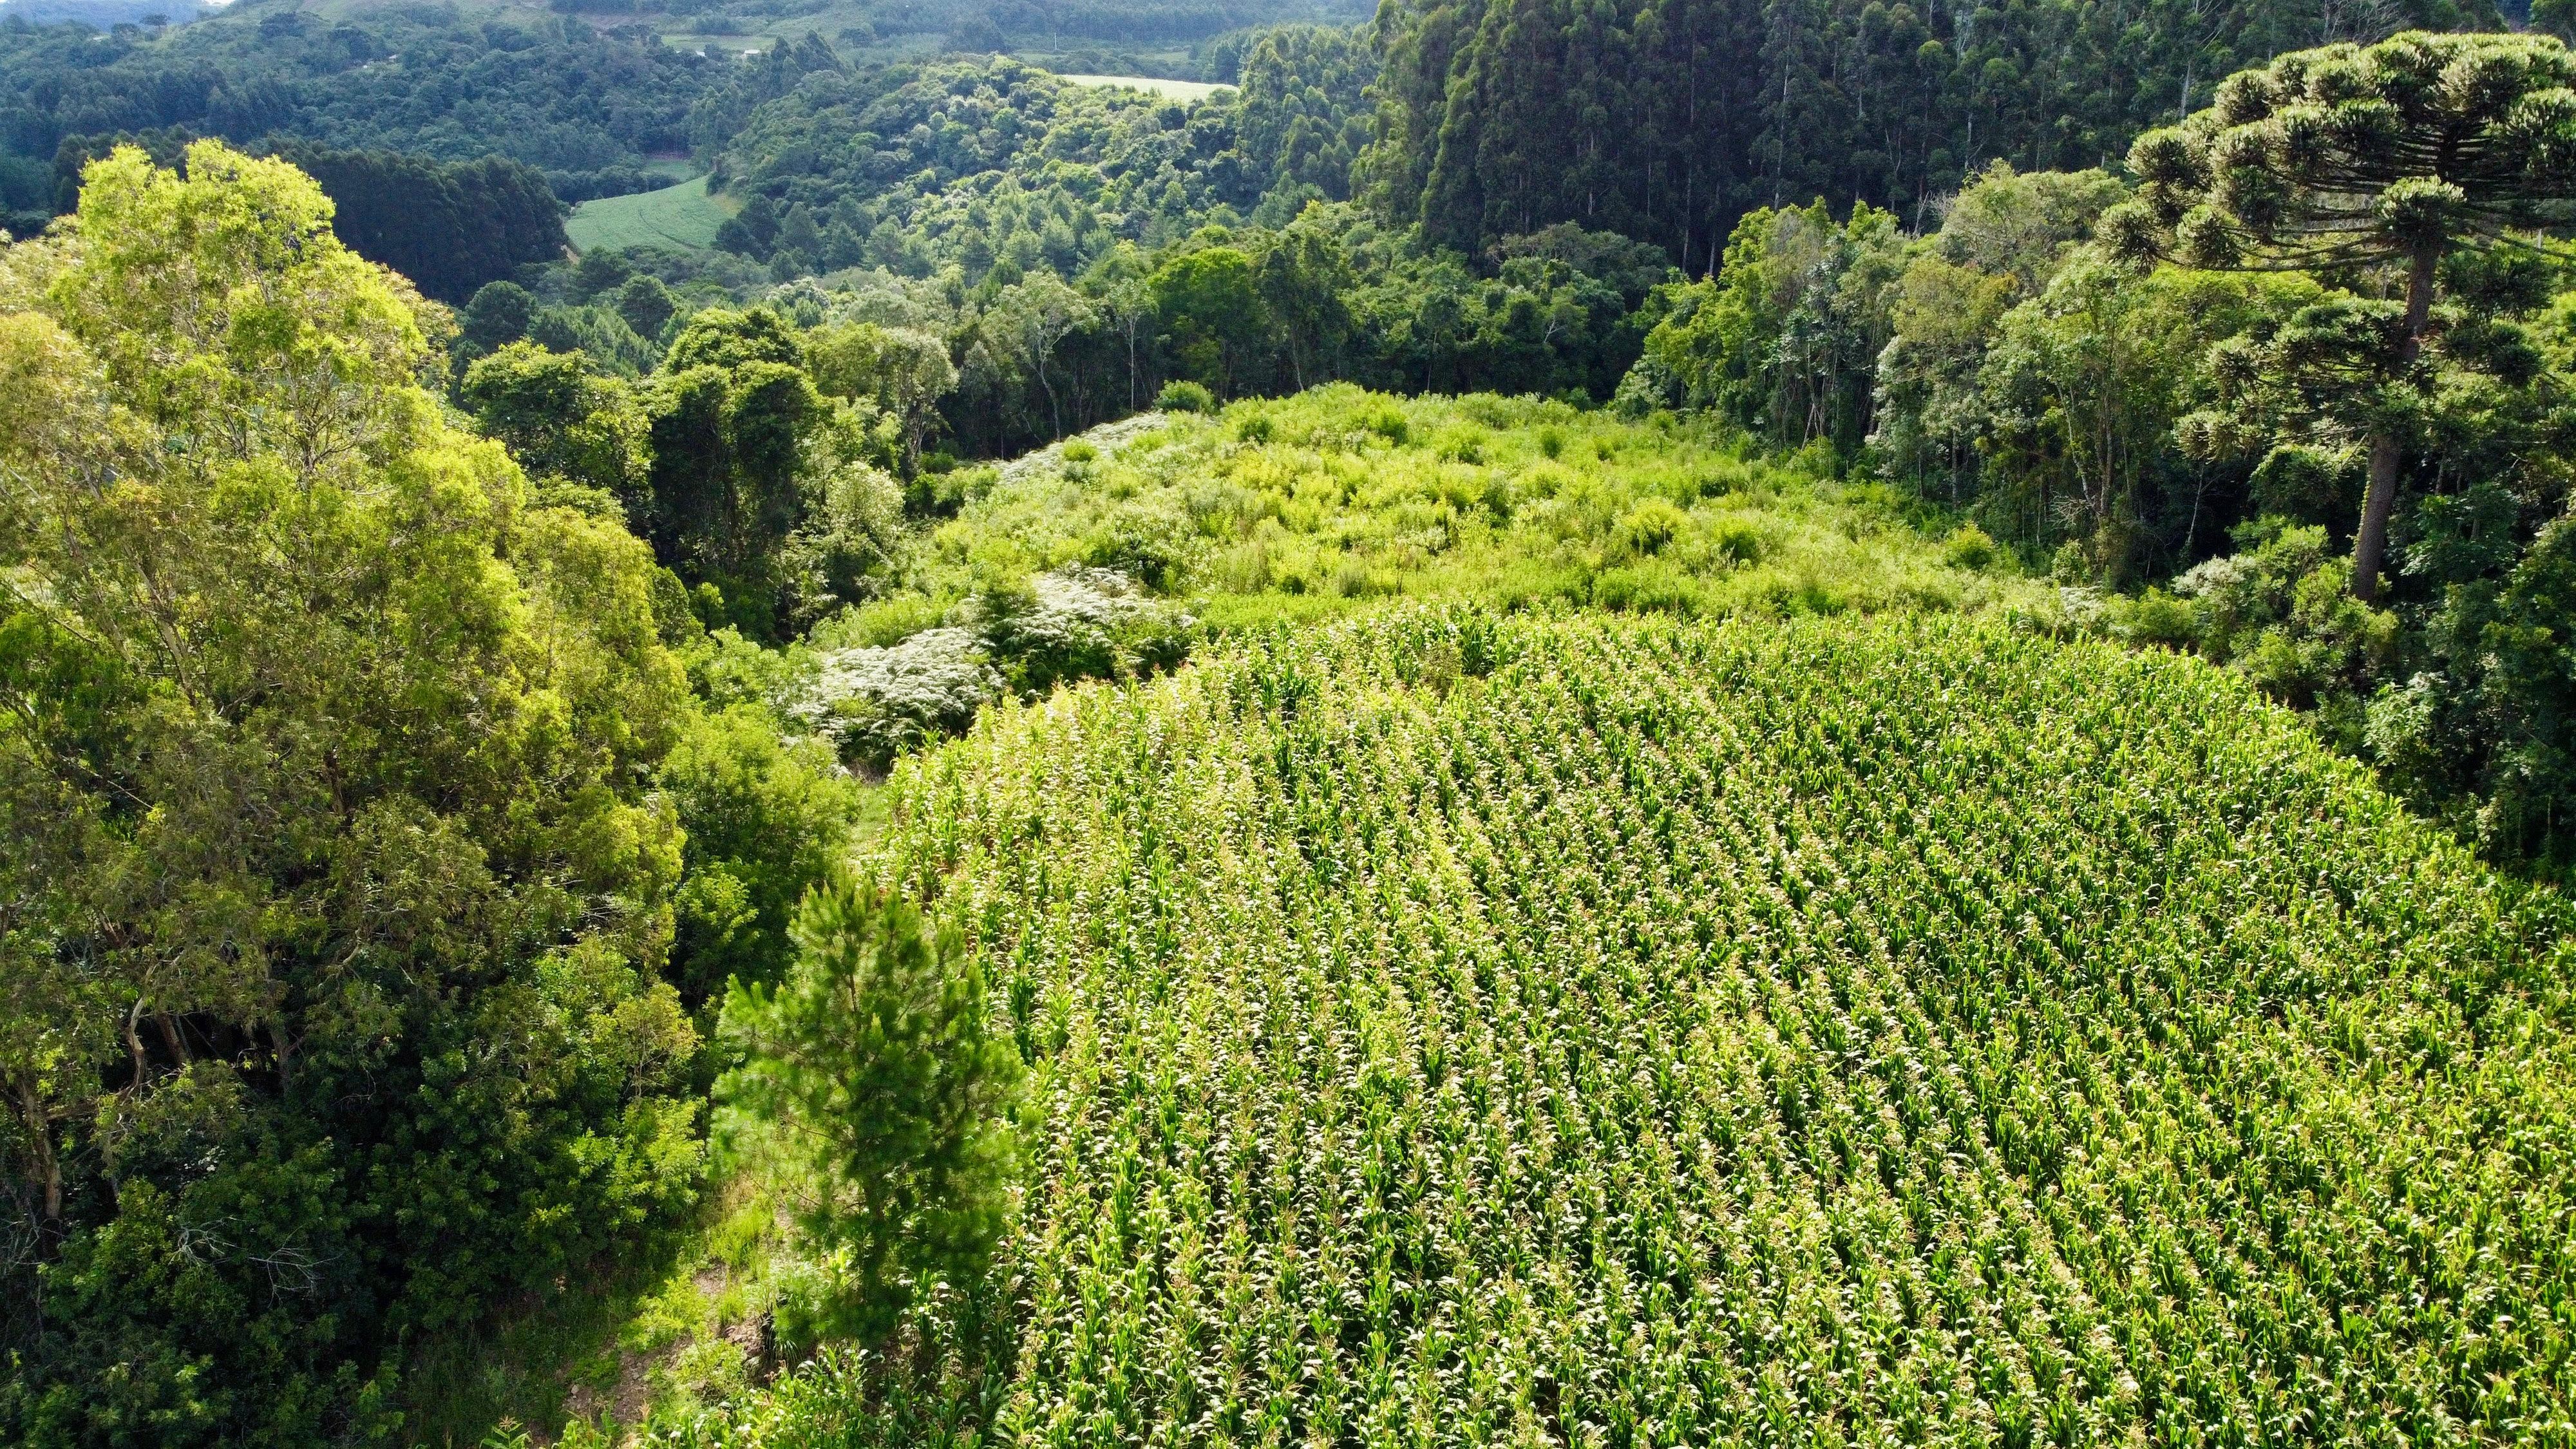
(2348, 161)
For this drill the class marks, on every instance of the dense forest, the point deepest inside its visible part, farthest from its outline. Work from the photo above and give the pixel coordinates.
(1670, 121)
(586, 107)
(1623, 724)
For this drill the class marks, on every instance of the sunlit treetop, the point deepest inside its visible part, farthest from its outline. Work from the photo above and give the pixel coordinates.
(2347, 155)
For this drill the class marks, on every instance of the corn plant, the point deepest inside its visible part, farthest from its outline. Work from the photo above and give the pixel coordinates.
(1452, 1031)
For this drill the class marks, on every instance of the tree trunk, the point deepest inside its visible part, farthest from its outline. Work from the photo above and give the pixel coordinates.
(134, 1039)
(285, 1051)
(2370, 540)
(40, 1136)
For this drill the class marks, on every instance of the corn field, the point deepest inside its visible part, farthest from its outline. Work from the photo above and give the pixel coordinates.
(1456, 1031)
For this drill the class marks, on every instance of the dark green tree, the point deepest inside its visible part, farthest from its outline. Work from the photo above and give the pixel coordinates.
(499, 314)
(873, 1073)
(766, 821)
(1305, 280)
(450, 227)
(722, 337)
(564, 423)
(904, 372)
(646, 304)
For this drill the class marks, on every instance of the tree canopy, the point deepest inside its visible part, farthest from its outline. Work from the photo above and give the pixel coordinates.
(2347, 157)
(336, 930)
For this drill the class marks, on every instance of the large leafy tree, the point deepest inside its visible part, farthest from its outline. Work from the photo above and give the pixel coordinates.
(747, 455)
(563, 422)
(1782, 339)
(902, 370)
(2350, 160)
(1304, 280)
(1209, 305)
(335, 903)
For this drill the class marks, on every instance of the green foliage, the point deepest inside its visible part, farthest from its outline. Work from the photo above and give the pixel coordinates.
(2119, 423)
(1241, 311)
(1002, 169)
(1570, 1026)
(599, 334)
(1781, 340)
(1102, 558)
(1210, 316)
(2281, 612)
(2348, 157)
(2484, 730)
(2082, 396)
(765, 821)
(1304, 113)
(871, 1073)
(334, 1014)
(1341, 495)
(562, 422)
(903, 371)
(1672, 119)
(722, 338)
(1968, 547)
(581, 106)
(497, 315)
(761, 486)
(449, 228)
(1185, 396)
(646, 305)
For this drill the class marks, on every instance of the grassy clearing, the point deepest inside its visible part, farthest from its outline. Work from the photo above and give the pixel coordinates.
(606, 1360)
(1299, 509)
(683, 217)
(1175, 89)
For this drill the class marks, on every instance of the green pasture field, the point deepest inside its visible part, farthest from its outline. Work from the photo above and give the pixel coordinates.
(684, 217)
(1177, 90)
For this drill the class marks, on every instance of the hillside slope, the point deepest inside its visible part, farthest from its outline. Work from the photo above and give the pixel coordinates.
(1450, 1030)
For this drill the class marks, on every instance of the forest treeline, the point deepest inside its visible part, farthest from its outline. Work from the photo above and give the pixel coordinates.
(915, 167)
(449, 227)
(592, 100)
(1669, 119)
(588, 108)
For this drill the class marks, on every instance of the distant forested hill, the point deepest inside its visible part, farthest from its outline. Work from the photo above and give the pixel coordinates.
(106, 13)
(1148, 20)
(1668, 119)
(428, 80)
(979, 162)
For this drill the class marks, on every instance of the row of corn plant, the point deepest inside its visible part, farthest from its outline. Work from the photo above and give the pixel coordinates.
(1460, 1031)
